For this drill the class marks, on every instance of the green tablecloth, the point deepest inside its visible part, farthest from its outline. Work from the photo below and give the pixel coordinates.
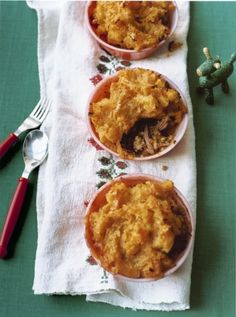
(213, 24)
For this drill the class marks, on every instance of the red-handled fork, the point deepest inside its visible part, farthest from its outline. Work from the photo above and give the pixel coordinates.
(34, 120)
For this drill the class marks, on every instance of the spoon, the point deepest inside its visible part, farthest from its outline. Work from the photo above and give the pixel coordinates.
(35, 149)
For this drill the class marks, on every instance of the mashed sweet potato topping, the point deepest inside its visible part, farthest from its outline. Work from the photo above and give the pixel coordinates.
(139, 230)
(132, 24)
(139, 114)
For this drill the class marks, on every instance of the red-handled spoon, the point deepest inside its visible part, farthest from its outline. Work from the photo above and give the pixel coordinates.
(35, 149)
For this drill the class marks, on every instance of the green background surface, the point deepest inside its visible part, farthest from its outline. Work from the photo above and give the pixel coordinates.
(213, 24)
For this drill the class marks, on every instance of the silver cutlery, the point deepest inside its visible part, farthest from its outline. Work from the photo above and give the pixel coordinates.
(34, 120)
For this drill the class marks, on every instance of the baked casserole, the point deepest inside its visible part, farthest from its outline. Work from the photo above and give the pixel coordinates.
(132, 24)
(138, 114)
(139, 230)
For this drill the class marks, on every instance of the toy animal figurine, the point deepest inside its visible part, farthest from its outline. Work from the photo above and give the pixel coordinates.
(213, 72)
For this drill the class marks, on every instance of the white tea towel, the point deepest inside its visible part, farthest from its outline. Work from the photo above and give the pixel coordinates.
(70, 64)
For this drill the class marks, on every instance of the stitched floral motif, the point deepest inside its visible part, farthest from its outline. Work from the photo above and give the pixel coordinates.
(110, 169)
(107, 65)
(104, 278)
(122, 165)
(94, 144)
(91, 260)
(96, 79)
(86, 202)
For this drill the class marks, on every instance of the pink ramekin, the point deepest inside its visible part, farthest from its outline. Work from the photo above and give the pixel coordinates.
(99, 199)
(99, 92)
(128, 54)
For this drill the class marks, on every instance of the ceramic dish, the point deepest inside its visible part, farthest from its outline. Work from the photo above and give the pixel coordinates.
(128, 54)
(101, 91)
(178, 253)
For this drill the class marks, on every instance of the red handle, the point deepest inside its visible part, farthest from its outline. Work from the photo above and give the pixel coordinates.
(13, 215)
(7, 144)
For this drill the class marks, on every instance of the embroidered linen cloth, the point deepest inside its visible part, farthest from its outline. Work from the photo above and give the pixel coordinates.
(70, 64)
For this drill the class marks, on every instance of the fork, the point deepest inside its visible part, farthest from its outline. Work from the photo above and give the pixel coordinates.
(34, 120)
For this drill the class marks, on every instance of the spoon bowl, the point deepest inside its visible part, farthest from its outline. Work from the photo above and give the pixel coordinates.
(35, 149)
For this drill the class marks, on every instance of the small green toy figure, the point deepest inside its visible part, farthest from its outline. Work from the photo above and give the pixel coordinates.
(213, 72)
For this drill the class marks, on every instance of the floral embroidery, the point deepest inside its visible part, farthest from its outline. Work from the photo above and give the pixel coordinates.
(125, 63)
(119, 68)
(94, 144)
(104, 278)
(104, 160)
(91, 260)
(96, 79)
(100, 184)
(104, 59)
(121, 165)
(107, 65)
(110, 169)
(104, 173)
(86, 202)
